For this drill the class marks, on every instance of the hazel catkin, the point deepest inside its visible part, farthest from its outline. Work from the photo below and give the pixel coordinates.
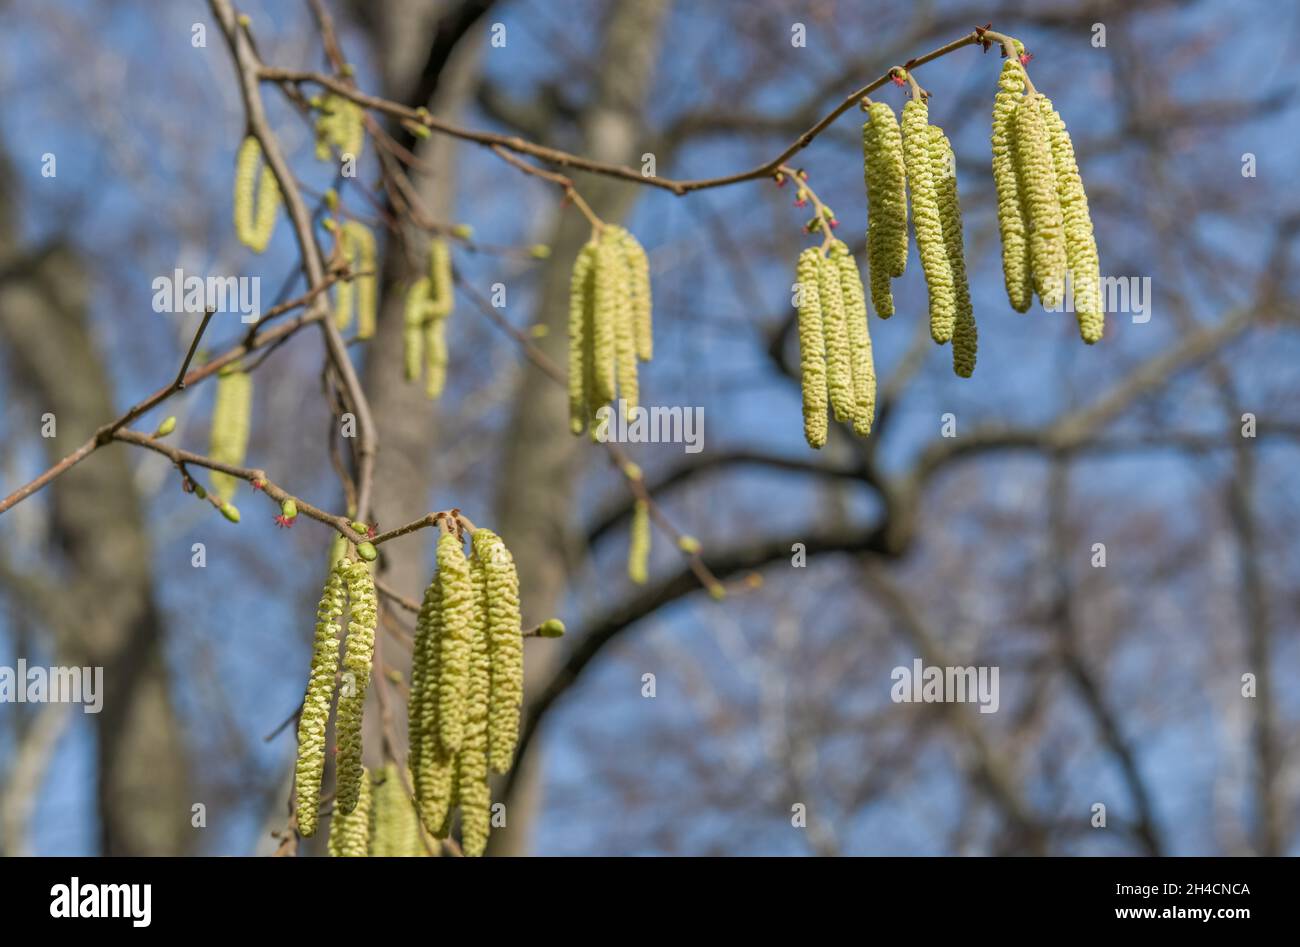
(944, 167)
(638, 270)
(432, 767)
(926, 220)
(1013, 224)
(1037, 177)
(473, 793)
(505, 646)
(254, 215)
(314, 717)
(415, 310)
(358, 246)
(395, 831)
(839, 371)
(812, 347)
(456, 639)
(885, 174)
(638, 548)
(360, 652)
(604, 316)
(231, 420)
(581, 299)
(350, 830)
(859, 339)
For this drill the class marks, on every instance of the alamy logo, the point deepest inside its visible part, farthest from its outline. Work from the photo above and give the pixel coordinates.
(54, 685)
(657, 425)
(937, 685)
(77, 900)
(181, 293)
(1118, 294)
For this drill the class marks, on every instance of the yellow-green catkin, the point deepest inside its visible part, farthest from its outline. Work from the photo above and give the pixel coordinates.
(1080, 245)
(812, 347)
(442, 290)
(350, 830)
(926, 220)
(638, 268)
(456, 640)
(363, 608)
(1013, 221)
(432, 767)
(505, 646)
(581, 300)
(314, 718)
(435, 357)
(609, 289)
(859, 337)
(473, 792)
(414, 312)
(1038, 180)
(341, 124)
(232, 415)
(638, 548)
(625, 355)
(885, 174)
(396, 827)
(944, 166)
(359, 249)
(839, 368)
(254, 216)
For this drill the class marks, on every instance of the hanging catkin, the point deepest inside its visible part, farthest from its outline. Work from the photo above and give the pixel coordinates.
(926, 220)
(638, 267)
(358, 245)
(1080, 245)
(638, 549)
(581, 300)
(231, 419)
(442, 290)
(341, 124)
(1013, 221)
(839, 370)
(505, 646)
(350, 831)
(859, 335)
(432, 767)
(472, 790)
(944, 165)
(396, 827)
(609, 287)
(456, 640)
(356, 664)
(624, 319)
(1038, 181)
(254, 217)
(314, 718)
(812, 347)
(414, 311)
(885, 174)
(435, 356)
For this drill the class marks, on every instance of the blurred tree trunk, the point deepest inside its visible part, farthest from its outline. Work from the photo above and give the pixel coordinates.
(543, 462)
(103, 613)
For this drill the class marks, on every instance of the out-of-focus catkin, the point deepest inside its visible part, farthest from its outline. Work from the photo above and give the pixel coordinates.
(944, 166)
(456, 641)
(1013, 220)
(581, 300)
(255, 215)
(625, 341)
(1038, 180)
(884, 170)
(314, 718)
(358, 246)
(414, 312)
(638, 269)
(232, 415)
(638, 549)
(609, 286)
(473, 792)
(926, 220)
(341, 124)
(396, 827)
(812, 347)
(350, 830)
(363, 608)
(859, 335)
(505, 646)
(1080, 245)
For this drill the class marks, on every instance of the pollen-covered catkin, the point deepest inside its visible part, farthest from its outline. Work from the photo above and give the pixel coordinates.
(472, 789)
(254, 215)
(1046, 225)
(926, 220)
(944, 166)
(414, 312)
(1080, 245)
(232, 415)
(885, 173)
(505, 646)
(581, 299)
(314, 717)
(638, 267)
(396, 827)
(638, 548)
(357, 659)
(350, 830)
(812, 347)
(1013, 223)
(624, 321)
(359, 246)
(432, 767)
(456, 641)
(609, 285)
(839, 368)
(859, 334)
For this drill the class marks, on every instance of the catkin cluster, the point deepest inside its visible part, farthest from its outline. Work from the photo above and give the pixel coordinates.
(349, 586)
(609, 324)
(350, 831)
(256, 203)
(836, 366)
(1047, 235)
(429, 302)
(384, 823)
(341, 124)
(927, 217)
(466, 685)
(884, 170)
(357, 245)
(231, 420)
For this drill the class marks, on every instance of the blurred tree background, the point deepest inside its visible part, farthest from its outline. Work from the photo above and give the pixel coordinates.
(1120, 685)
